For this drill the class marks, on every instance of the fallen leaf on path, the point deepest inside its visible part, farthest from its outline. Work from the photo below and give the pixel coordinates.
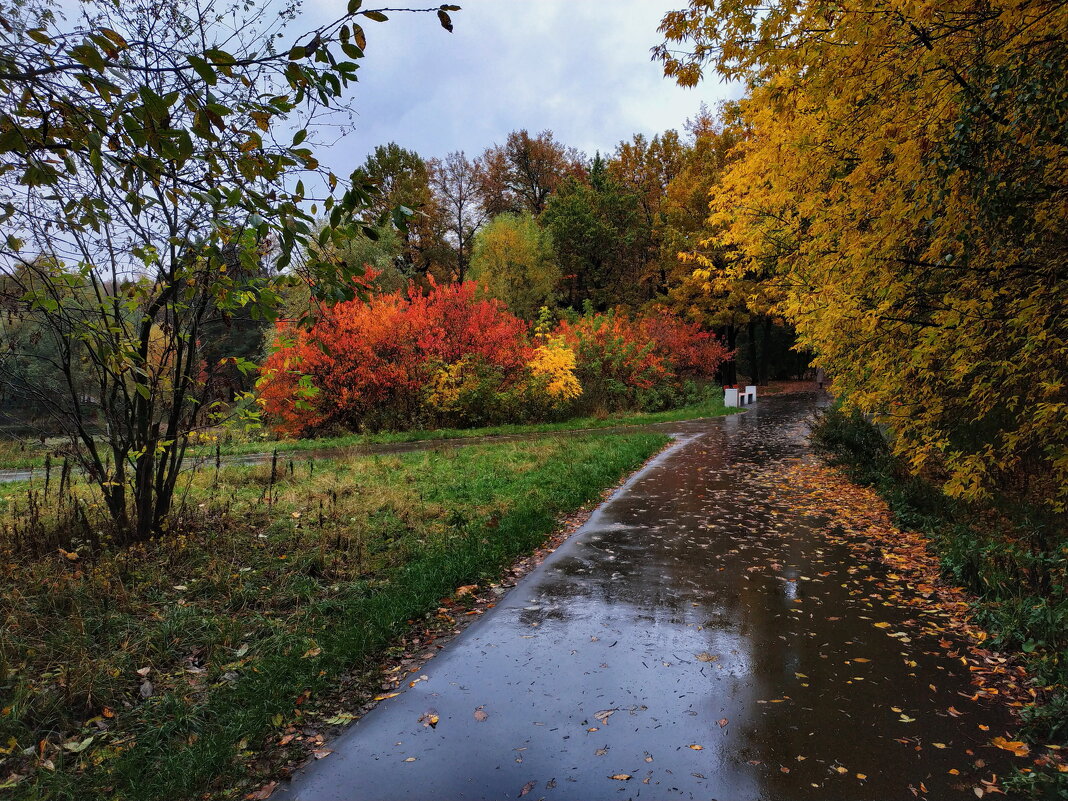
(600, 752)
(722, 722)
(263, 793)
(429, 719)
(319, 753)
(696, 747)
(384, 696)
(527, 788)
(1018, 748)
(705, 656)
(605, 714)
(410, 759)
(620, 777)
(480, 715)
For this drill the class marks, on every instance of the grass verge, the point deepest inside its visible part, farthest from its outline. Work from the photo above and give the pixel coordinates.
(157, 672)
(16, 455)
(1013, 561)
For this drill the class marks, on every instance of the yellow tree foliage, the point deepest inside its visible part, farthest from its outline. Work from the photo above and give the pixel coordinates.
(513, 261)
(906, 173)
(553, 366)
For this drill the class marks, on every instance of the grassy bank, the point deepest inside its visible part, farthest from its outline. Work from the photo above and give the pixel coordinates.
(1014, 561)
(155, 672)
(19, 455)
(711, 407)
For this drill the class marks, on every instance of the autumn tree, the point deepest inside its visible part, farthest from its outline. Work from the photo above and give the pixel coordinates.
(456, 186)
(600, 239)
(513, 259)
(143, 143)
(730, 293)
(905, 173)
(521, 174)
(402, 179)
(645, 168)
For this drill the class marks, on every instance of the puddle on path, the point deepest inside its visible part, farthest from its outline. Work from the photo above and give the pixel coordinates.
(697, 639)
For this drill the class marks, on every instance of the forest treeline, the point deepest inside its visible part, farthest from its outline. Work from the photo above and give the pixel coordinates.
(539, 224)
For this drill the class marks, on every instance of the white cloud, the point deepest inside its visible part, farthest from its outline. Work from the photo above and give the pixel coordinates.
(578, 67)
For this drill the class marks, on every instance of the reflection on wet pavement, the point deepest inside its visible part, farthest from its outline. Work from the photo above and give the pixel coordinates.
(697, 639)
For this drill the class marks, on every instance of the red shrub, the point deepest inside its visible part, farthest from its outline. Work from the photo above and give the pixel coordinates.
(641, 362)
(689, 350)
(368, 363)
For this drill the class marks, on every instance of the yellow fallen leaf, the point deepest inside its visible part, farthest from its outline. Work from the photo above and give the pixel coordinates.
(882, 625)
(939, 745)
(842, 770)
(384, 696)
(696, 747)
(861, 776)
(1018, 748)
(620, 777)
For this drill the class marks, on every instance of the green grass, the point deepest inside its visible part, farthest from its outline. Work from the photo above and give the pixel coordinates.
(15, 455)
(266, 592)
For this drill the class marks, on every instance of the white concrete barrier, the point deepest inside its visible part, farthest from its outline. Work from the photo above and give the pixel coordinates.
(730, 398)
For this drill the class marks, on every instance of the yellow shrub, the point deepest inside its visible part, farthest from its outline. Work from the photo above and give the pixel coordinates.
(554, 364)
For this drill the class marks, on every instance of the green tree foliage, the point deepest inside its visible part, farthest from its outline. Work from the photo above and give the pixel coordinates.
(513, 259)
(600, 239)
(647, 168)
(402, 179)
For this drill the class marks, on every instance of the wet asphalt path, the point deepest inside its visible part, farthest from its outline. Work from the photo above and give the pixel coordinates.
(696, 639)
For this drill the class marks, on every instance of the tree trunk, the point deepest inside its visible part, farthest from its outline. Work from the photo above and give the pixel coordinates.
(765, 355)
(754, 364)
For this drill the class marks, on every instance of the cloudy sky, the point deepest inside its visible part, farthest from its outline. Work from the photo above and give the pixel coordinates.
(578, 67)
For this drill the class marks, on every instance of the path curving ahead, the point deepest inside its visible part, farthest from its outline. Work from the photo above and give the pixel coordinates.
(696, 639)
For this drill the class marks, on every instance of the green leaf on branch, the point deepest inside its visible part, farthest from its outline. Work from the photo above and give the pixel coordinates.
(203, 69)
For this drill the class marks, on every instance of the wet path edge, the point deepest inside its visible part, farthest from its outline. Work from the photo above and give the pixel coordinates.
(696, 638)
